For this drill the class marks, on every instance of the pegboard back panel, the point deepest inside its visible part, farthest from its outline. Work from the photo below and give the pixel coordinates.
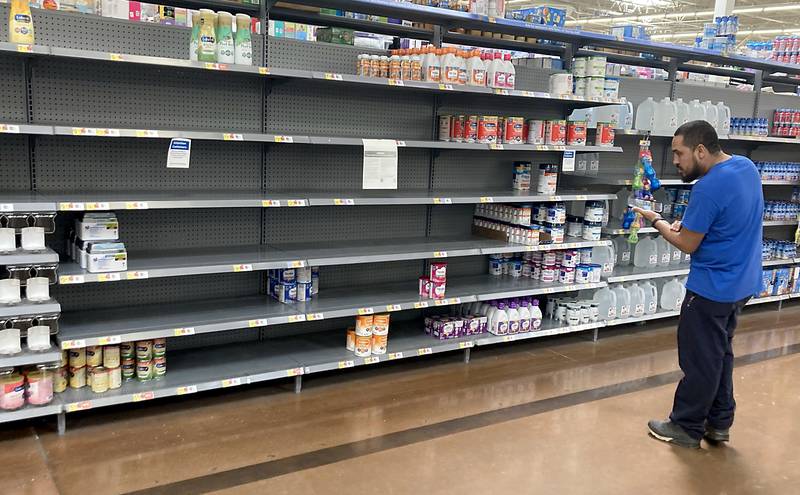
(337, 168)
(310, 108)
(337, 326)
(342, 224)
(483, 169)
(13, 106)
(451, 220)
(74, 163)
(532, 78)
(156, 291)
(775, 152)
(768, 102)
(742, 104)
(323, 57)
(213, 339)
(621, 164)
(367, 274)
(94, 32)
(465, 266)
(14, 169)
(637, 90)
(466, 104)
(122, 95)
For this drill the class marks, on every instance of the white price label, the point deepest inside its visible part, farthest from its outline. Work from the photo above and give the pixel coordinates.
(420, 304)
(146, 133)
(424, 351)
(284, 139)
(138, 275)
(509, 338)
(243, 268)
(9, 129)
(503, 92)
(330, 76)
(270, 203)
(228, 136)
(371, 360)
(180, 332)
(137, 205)
(296, 318)
(261, 322)
(71, 206)
(344, 202)
(79, 406)
(442, 201)
(366, 311)
(70, 279)
(296, 264)
(455, 300)
(73, 344)
(496, 146)
(315, 316)
(446, 87)
(6, 207)
(395, 355)
(466, 345)
(440, 254)
(110, 340)
(108, 277)
(296, 202)
(189, 389)
(231, 382)
(487, 199)
(294, 372)
(441, 302)
(393, 307)
(346, 364)
(396, 82)
(143, 396)
(97, 206)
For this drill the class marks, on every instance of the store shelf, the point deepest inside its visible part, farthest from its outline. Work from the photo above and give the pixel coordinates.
(24, 202)
(23, 257)
(614, 227)
(143, 200)
(776, 223)
(622, 181)
(29, 412)
(775, 182)
(631, 273)
(444, 197)
(769, 299)
(20, 128)
(27, 307)
(762, 139)
(122, 324)
(638, 319)
(548, 328)
(569, 243)
(491, 288)
(780, 262)
(28, 357)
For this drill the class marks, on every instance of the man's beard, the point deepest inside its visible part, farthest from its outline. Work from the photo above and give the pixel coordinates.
(693, 174)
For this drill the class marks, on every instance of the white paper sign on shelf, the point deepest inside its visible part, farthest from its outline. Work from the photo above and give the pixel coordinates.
(380, 164)
(180, 149)
(568, 161)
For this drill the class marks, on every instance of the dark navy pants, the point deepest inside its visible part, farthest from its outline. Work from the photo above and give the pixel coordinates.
(705, 355)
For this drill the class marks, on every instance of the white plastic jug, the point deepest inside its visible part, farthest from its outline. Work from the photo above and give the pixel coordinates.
(536, 315)
(637, 300)
(606, 301)
(666, 117)
(646, 253)
(622, 249)
(513, 318)
(683, 111)
(645, 115)
(724, 119)
(623, 301)
(524, 317)
(650, 297)
(696, 110)
(604, 256)
(677, 256)
(664, 251)
(672, 295)
(712, 114)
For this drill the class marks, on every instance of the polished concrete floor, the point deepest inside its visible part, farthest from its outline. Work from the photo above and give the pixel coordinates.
(558, 415)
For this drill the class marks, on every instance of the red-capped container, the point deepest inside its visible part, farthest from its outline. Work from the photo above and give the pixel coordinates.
(515, 130)
(438, 271)
(605, 134)
(457, 129)
(445, 126)
(487, 129)
(471, 129)
(536, 131)
(576, 133)
(556, 133)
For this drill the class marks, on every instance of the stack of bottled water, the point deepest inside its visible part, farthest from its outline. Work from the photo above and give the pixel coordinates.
(747, 126)
(789, 171)
(773, 249)
(780, 210)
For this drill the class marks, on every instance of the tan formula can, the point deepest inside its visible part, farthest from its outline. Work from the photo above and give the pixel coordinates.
(77, 377)
(159, 347)
(77, 358)
(144, 370)
(128, 369)
(111, 357)
(94, 355)
(127, 350)
(114, 378)
(159, 366)
(99, 380)
(363, 345)
(144, 350)
(445, 125)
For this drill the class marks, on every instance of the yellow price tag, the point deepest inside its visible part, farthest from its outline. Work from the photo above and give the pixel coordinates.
(496, 146)
(344, 202)
(346, 364)
(180, 332)
(270, 203)
(243, 268)
(189, 389)
(297, 264)
(108, 277)
(147, 133)
(70, 279)
(315, 316)
(231, 382)
(509, 338)
(330, 76)
(25, 48)
(393, 307)
(79, 406)
(296, 202)
(455, 300)
(232, 137)
(395, 355)
(446, 87)
(137, 205)
(420, 304)
(143, 396)
(492, 20)
(442, 201)
(264, 71)
(262, 322)
(440, 254)
(115, 57)
(466, 345)
(138, 275)
(107, 132)
(73, 344)
(9, 129)
(424, 351)
(503, 92)
(396, 82)
(296, 318)
(284, 139)
(371, 360)
(365, 311)
(487, 199)
(441, 302)
(71, 206)
(294, 372)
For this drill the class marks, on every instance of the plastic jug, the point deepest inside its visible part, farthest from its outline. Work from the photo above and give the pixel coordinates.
(712, 114)
(510, 71)
(536, 315)
(20, 22)
(696, 110)
(638, 303)
(664, 251)
(645, 115)
(431, 66)
(622, 248)
(194, 40)
(646, 253)
(724, 119)
(672, 295)
(524, 316)
(513, 318)
(677, 256)
(207, 41)
(604, 256)
(666, 117)
(226, 47)
(476, 71)
(623, 301)
(606, 300)
(650, 297)
(683, 111)
(243, 41)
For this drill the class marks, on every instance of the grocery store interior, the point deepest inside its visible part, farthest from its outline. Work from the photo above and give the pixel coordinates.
(368, 246)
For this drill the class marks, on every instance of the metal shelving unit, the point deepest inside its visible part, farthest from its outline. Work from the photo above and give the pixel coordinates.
(28, 357)
(29, 308)
(251, 200)
(23, 257)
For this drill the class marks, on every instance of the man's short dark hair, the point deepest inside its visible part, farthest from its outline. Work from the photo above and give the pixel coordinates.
(700, 132)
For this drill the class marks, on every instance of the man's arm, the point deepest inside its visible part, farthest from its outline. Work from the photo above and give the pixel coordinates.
(683, 239)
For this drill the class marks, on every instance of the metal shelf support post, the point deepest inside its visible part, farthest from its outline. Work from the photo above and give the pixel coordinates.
(467, 355)
(298, 384)
(62, 423)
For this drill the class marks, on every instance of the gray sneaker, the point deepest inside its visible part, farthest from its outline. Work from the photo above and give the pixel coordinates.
(669, 432)
(714, 436)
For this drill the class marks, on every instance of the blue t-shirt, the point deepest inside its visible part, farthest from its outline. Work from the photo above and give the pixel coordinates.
(727, 205)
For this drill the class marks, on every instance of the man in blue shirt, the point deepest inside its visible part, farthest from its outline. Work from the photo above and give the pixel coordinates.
(722, 230)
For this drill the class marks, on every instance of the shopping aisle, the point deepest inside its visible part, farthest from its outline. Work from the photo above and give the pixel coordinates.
(529, 414)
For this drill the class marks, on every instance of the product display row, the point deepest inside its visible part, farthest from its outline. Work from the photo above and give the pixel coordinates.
(665, 116)
(781, 210)
(490, 129)
(32, 385)
(773, 249)
(369, 336)
(785, 171)
(497, 317)
(104, 367)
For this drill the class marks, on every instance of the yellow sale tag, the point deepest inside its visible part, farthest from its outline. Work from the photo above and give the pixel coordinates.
(294, 372)
(441, 302)
(503, 92)
(442, 201)
(466, 345)
(371, 360)
(366, 311)
(108, 132)
(138, 275)
(147, 133)
(189, 389)
(487, 199)
(25, 48)
(446, 87)
(296, 318)
(143, 396)
(315, 316)
(110, 340)
(73, 344)
(79, 406)
(496, 146)
(395, 355)
(424, 351)
(264, 71)
(393, 307)
(243, 268)
(509, 338)
(71, 206)
(330, 76)
(108, 277)
(396, 82)
(421, 304)
(297, 264)
(9, 128)
(284, 139)
(231, 382)
(344, 202)
(455, 300)
(440, 254)
(346, 364)
(257, 323)
(270, 203)
(180, 332)
(115, 57)
(70, 279)
(296, 202)
(136, 205)
(232, 137)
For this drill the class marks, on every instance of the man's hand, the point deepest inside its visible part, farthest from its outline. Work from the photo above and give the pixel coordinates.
(648, 215)
(676, 226)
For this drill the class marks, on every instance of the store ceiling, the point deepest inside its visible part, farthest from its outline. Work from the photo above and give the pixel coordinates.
(678, 20)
